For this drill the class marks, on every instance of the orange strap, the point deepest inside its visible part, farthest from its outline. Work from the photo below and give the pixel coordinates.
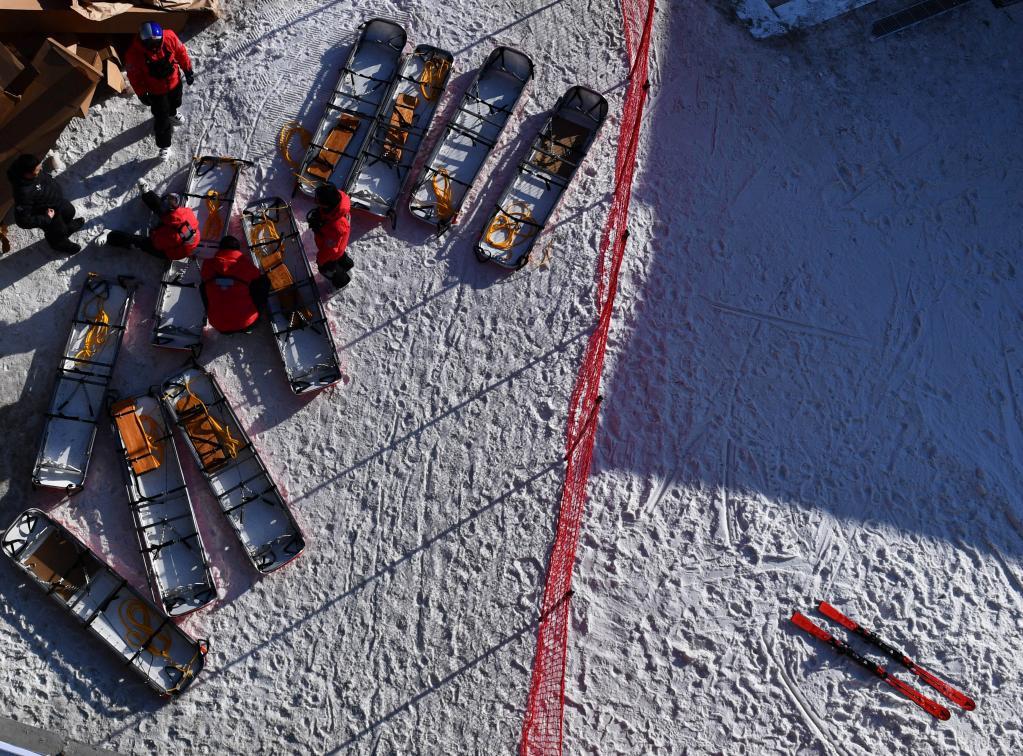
(144, 453)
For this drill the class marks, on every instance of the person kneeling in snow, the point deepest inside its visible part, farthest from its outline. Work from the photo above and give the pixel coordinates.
(176, 235)
(330, 221)
(155, 63)
(39, 203)
(233, 290)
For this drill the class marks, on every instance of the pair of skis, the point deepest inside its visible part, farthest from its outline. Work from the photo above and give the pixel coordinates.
(929, 705)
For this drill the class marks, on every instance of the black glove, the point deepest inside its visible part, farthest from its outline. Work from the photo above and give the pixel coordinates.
(190, 77)
(146, 99)
(313, 219)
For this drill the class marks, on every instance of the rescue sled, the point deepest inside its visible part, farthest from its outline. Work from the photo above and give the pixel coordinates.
(166, 657)
(83, 375)
(527, 203)
(299, 326)
(359, 95)
(172, 549)
(387, 158)
(247, 495)
(180, 316)
(469, 137)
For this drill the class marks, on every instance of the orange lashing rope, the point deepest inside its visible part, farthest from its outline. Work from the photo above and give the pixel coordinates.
(214, 223)
(509, 228)
(96, 335)
(204, 430)
(138, 623)
(138, 628)
(287, 133)
(442, 191)
(433, 74)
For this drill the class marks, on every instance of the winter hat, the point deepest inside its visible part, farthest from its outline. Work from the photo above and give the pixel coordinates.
(230, 242)
(327, 195)
(24, 164)
(151, 32)
(172, 201)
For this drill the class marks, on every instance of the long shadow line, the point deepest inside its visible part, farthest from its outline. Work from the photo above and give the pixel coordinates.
(506, 27)
(400, 314)
(453, 410)
(466, 667)
(238, 51)
(388, 568)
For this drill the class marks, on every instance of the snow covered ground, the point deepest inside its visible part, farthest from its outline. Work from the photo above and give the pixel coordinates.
(813, 392)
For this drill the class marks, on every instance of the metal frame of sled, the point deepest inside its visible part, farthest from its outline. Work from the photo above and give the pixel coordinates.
(348, 105)
(83, 375)
(301, 329)
(528, 201)
(472, 132)
(235, 472)
(103, 601)
(172, 549)
(179, 314)
(382, 170)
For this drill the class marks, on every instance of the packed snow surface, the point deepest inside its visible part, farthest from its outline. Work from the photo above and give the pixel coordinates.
(813, 391)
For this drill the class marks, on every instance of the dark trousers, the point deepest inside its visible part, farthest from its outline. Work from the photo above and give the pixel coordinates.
(133, 241)
(152, 201)
(56, 231)
(164, 108)
(137, 241)
(336, 271)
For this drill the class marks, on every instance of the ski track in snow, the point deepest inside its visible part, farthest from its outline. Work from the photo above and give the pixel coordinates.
(810, 393)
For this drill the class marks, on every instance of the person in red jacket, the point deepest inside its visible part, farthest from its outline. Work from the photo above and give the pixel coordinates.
(330, 221)
(233, 290)
(155, 63)
(174, 237)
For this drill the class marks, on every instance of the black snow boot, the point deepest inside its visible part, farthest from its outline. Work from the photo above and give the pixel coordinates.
(119, 239)
(67, 247)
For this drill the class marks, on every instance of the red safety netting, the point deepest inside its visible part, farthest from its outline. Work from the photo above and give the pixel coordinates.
(542, 728)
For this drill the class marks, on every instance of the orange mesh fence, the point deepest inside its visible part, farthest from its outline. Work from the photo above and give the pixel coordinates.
(542, 727)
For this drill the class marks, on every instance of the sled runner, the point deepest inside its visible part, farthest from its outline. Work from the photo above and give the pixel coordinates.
(299, 326)
(166, 657)
(387, 158)
(82, 378)
(172, 549)
(527, 203)
(180, 316)
(247, 495)
(469, 137)
(359, 94)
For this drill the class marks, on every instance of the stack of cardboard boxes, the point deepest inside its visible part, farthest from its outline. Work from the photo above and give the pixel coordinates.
(54, 57)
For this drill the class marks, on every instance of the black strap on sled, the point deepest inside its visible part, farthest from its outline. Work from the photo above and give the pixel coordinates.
(105, 603)
(148, 501)
(144, 646)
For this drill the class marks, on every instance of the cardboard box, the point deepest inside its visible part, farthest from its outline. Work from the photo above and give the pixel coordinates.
(57, 17)
(63, 88)
(10, 66)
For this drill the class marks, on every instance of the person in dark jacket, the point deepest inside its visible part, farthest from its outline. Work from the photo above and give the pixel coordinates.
(39, 203)
(156, 62)
(330, 221)
(175, 237)
(233, 290)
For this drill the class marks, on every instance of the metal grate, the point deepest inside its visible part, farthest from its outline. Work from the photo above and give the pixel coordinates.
(913, 15)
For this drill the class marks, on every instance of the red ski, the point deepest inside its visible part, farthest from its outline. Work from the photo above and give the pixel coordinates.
(932, 707)
(896, 655)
